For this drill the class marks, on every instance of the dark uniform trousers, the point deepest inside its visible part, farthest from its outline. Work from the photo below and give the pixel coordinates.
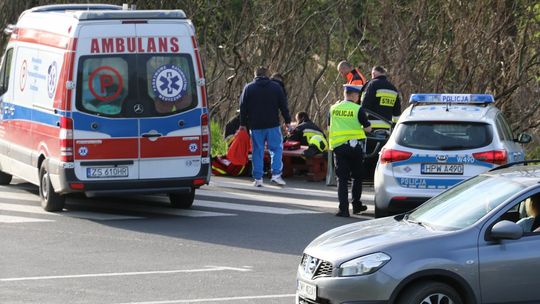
(349, 162)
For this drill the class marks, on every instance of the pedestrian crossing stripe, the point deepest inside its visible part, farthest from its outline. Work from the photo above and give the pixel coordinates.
(18, 219)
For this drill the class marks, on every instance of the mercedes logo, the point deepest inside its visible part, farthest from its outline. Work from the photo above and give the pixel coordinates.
(138, 108)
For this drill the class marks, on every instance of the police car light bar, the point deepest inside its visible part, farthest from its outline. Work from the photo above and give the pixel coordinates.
(452, 98)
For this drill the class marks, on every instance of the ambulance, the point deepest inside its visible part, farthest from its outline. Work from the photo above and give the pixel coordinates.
(104, 99)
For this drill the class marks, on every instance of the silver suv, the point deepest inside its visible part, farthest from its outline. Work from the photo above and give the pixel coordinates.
(468, 244)
(440, 140)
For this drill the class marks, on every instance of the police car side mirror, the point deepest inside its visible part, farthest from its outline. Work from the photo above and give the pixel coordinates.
(524, 138)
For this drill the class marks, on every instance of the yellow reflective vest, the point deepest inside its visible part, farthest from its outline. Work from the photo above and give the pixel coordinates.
(344, 124)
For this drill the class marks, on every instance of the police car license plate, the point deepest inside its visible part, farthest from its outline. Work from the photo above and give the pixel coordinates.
(105, 172)
(307, 291)
(454, 169)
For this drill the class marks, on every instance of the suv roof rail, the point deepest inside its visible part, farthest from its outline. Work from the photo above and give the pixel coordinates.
(523, 162)
(74, 7)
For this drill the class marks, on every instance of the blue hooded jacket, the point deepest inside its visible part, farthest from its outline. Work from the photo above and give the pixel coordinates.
(260, 104)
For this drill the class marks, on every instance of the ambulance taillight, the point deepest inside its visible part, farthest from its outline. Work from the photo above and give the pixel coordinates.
(66, 139)
(205, 135)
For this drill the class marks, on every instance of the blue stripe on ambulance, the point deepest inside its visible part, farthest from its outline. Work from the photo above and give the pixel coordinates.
(167, 124)
(30, 114)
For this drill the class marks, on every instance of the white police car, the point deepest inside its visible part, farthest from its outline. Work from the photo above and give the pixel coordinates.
(440, 140)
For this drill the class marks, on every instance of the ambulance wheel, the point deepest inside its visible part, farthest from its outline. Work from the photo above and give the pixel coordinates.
(5, 178)
(50, 200)
(182, 200)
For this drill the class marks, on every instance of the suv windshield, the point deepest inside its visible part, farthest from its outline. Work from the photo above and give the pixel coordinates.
(437, 135)
(466, 203)
(136, 85)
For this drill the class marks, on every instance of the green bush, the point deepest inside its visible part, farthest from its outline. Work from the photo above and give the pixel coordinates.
(533, 153)
(219, 146)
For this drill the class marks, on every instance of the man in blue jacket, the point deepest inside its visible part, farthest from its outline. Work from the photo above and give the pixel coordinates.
(260, 104)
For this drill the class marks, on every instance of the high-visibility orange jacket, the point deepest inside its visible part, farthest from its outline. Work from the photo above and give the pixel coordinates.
(356, 77)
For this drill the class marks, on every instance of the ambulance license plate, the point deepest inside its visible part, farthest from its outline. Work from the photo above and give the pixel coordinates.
(452, 169)
(307, 291)
(105, 172)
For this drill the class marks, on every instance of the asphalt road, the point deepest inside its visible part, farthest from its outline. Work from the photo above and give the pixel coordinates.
(238, 244)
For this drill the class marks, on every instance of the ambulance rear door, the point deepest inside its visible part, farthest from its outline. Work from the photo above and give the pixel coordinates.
(169, 107)
(105, 130)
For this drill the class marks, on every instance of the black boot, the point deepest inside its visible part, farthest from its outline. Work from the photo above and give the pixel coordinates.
(358, 207)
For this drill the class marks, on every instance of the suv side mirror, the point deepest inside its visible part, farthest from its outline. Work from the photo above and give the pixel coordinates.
(506, 230)
(524, 138)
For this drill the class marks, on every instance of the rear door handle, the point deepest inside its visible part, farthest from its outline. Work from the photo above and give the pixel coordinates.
(150, 135)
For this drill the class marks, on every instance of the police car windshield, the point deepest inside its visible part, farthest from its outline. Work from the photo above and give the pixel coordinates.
(466, 203)
(446, 136)
(131, 85)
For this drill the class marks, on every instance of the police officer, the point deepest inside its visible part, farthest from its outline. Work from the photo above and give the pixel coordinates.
(348, 124)
(351, 74)
(381, 96)
(308, 134)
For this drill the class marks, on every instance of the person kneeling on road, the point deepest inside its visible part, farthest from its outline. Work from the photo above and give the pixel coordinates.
(308, 134)
(348, 124)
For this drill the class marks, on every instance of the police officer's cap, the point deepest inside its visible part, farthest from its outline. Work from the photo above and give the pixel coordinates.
(352, 88)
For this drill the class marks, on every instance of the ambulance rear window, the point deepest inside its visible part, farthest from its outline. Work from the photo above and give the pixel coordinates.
(103, 87)
(446, 136)
(170, 82)
(136, 85)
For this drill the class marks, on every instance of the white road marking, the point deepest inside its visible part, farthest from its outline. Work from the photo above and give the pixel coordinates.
(20, 196)
(25, 208)
(251, 208)
(98, 216)
(119, 274)
(310, 202)
(226, 299)
(78, 214)
(151, 209)
(242, 185)
(274, 189)
(19, 219)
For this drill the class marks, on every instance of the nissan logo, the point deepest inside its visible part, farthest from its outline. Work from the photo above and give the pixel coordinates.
(138, 108)
(311, 265)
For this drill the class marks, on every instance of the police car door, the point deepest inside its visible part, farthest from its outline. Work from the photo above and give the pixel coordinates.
(170, 118)
(105, 131)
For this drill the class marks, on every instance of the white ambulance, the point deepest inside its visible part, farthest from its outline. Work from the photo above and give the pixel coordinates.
(104, 100)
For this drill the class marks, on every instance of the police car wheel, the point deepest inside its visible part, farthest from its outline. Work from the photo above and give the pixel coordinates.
(182, 200)
(50, 200)
(380, 212)
(5, 178)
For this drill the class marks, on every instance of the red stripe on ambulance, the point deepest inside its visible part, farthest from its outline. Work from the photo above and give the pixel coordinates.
(109, 148)
(173, 146)
(41, 37)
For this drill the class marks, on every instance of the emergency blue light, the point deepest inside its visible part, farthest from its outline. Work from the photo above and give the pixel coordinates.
(451, 98)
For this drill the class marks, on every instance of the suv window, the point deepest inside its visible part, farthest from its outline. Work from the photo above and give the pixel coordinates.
(437, 135)
(505, 128)
(5, 71)
(131, 85)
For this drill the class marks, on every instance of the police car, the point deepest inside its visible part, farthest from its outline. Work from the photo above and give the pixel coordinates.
(440, 140)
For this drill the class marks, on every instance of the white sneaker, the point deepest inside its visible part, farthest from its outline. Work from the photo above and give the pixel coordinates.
(258, 183)
(276, 179)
